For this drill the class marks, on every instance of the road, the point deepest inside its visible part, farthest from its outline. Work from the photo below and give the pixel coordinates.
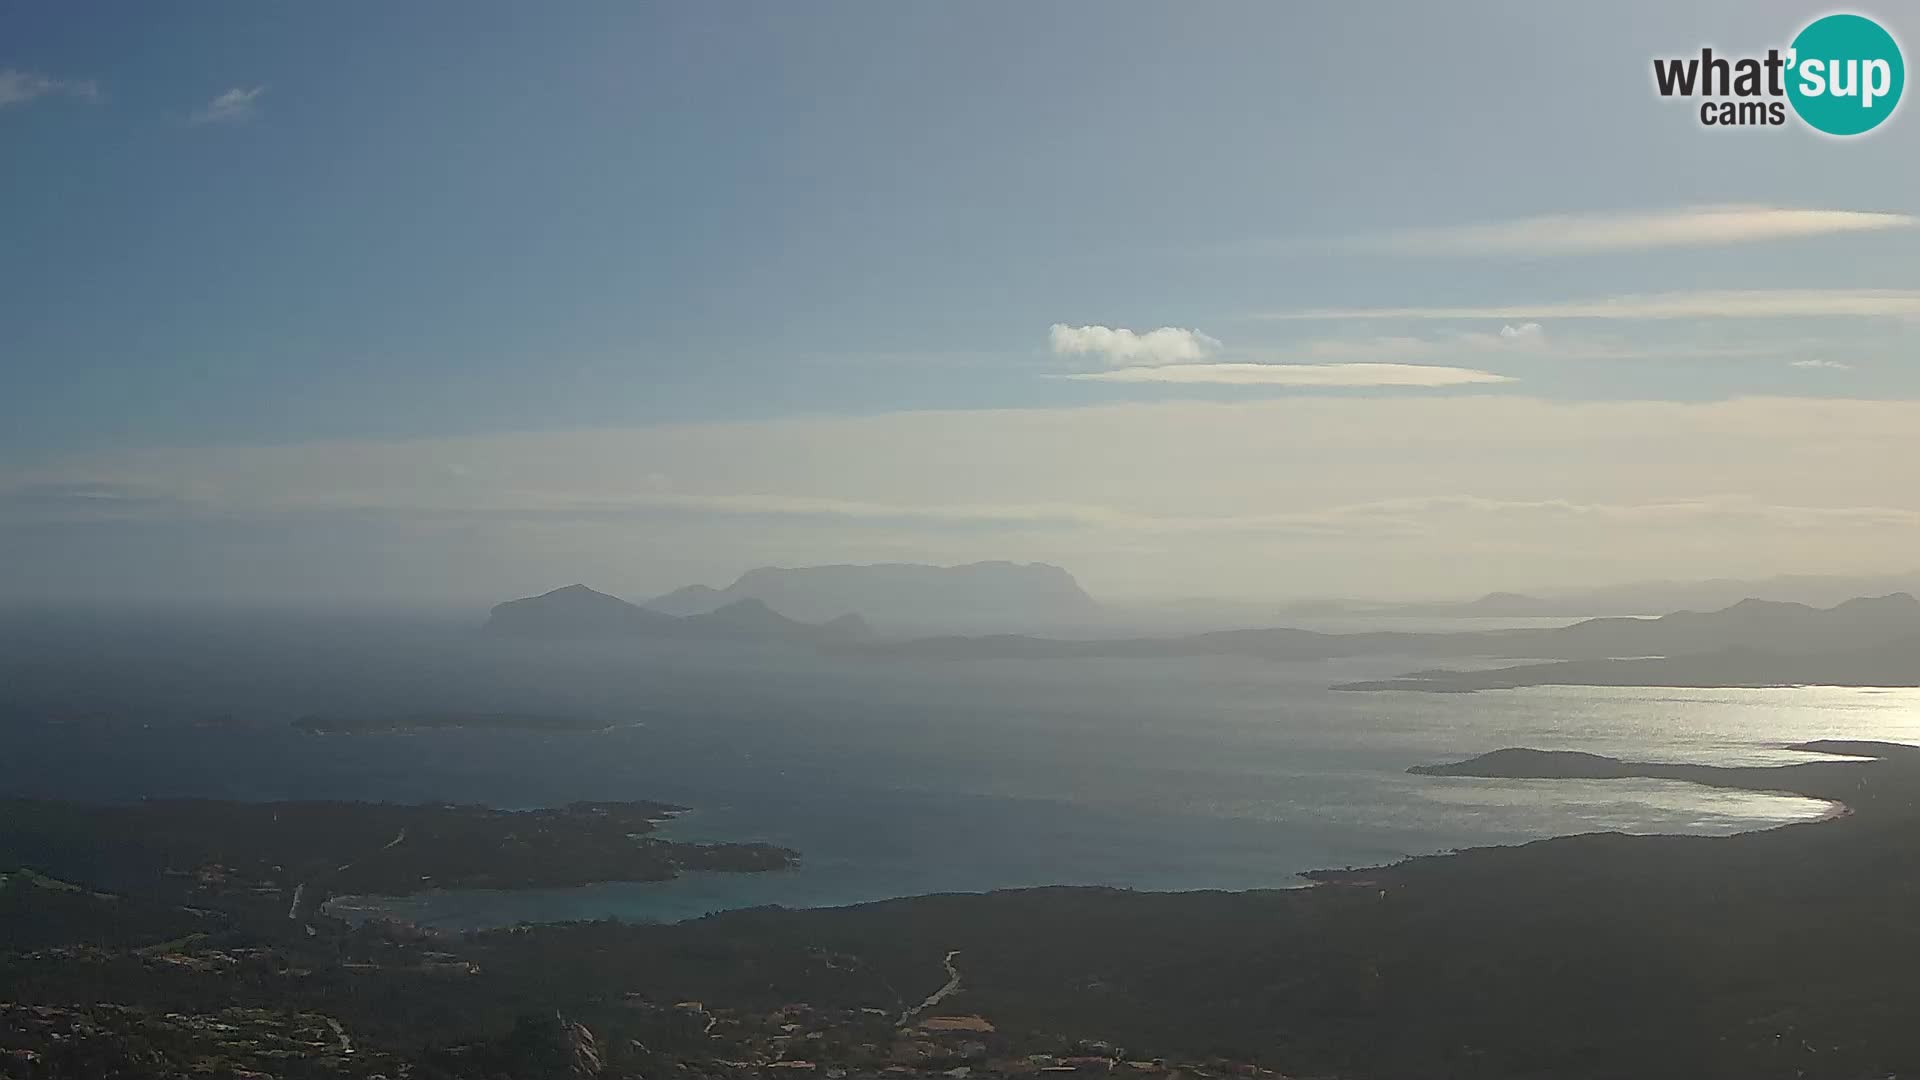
(951, 988)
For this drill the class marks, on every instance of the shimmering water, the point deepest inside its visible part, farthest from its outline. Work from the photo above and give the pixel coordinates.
(897, 779)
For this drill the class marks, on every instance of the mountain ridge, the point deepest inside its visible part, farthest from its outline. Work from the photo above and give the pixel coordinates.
(1753, 625)
(995, 593)
(577, 612)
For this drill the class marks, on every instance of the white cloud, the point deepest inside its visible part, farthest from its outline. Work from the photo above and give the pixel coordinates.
(1630, 230)
(1705, 304)
(19, 87)
(1469, 347)
(1118, 346)
(1323, 375)
(1173, 356)
(231, 107)
(1832, 365)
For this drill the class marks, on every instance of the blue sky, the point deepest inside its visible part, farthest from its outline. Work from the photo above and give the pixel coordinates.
(232, 229)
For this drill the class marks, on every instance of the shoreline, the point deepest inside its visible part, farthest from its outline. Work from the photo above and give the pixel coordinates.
(1834, 809)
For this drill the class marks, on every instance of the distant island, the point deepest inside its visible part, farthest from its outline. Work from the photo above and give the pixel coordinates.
(1865, 641)
(577, 612)
(1894, 664)
(1749, 624)
(1869, 641)
(1829, 780)
(436, 721)
(904, 596)
(1646, 597)
(1628, 598)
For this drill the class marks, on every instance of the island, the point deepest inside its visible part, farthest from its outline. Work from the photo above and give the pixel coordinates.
(1827, 779)
(1894, 663)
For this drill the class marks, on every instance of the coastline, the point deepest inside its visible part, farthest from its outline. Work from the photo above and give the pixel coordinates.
(1578, 955)
(1307, 878)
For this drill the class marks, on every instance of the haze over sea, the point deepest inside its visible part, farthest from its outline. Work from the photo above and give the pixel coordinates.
(897, 778)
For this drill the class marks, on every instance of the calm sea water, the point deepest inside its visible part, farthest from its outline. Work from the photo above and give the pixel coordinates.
(896, 779)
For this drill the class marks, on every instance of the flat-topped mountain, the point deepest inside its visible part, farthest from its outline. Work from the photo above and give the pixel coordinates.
(577, 612)
(903, 595)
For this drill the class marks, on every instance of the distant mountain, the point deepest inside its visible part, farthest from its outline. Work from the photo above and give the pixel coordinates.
(689, 600)
(1648, 597)
(577, 612)
(1750, 624)
(753, 618)
(984, 595)
(1277, 643)
(1494, 605)
(1894, 663)
(1867, 641)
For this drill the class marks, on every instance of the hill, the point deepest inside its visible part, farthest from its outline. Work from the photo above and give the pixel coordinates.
(1750, 624)
(1868, 641)
(904, 596)
(577, 612)
(1647, 597)
(1779, 628)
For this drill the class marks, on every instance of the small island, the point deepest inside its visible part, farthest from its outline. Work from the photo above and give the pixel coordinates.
(1832, 780)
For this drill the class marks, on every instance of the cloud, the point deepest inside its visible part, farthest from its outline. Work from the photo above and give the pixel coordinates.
(1630, 230)
(1324, 375)
(1704, 304)
(231, 107)
(1118, 346)
(1173, 356)
(19, 87)
(1833, 365)
(88, 500)
(1270, 495)
(1404, 515)
(1470, 347)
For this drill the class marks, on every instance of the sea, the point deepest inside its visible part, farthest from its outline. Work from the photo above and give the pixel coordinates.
(897, 778)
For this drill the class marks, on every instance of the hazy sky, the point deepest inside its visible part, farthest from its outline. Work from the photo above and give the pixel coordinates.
(430, 302)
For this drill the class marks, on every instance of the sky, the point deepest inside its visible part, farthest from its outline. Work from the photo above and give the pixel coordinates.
(443, 303)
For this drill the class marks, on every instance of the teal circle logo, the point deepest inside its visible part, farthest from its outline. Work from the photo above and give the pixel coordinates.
(1845, 74)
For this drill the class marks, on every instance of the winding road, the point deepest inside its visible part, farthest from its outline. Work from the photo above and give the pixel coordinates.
(952, 987)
